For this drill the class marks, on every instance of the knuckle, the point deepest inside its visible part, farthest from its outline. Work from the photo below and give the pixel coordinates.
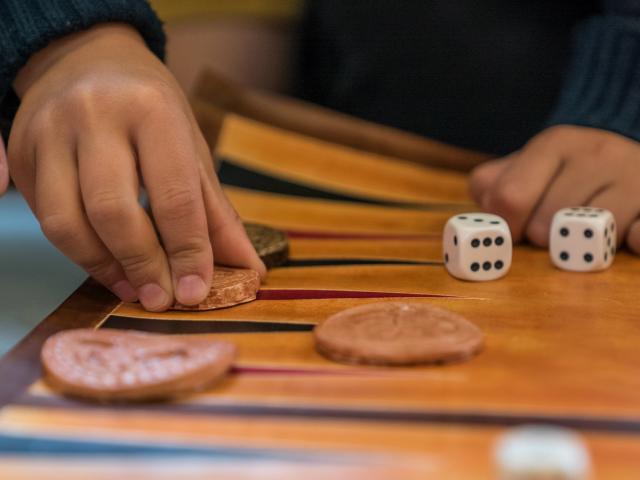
(42, 120)
(606, 149)
(139, 263)
(107, 207)
(508, 198)
(101, 269)
(26, 137)
(479, 179)
(232, 221)
(588, 162)
(83, 98)
(90, 97)
(152, 96)
(558, 133)
(58, 228)
(175, 203)
(550, 137)
(555, 132)
(188, 250)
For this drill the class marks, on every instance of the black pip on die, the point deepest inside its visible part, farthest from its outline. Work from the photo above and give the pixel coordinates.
(582, 239)
(477, 246)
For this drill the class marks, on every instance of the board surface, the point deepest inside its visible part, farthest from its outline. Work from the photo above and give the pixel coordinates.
(561, 348)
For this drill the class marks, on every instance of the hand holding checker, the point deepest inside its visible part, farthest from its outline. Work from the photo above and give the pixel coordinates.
(100, 118)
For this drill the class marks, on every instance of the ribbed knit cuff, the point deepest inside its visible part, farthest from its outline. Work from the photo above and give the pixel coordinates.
(602, 88)
(27, 26)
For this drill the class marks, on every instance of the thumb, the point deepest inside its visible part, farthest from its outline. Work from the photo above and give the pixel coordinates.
(4, 168)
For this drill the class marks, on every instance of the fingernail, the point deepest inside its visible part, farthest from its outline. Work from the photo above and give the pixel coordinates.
(191, 290)
(125, 291)
(262, 270)
(153, 297)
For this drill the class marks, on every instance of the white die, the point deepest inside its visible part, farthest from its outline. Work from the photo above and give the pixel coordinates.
(477, 246)
(582, 239)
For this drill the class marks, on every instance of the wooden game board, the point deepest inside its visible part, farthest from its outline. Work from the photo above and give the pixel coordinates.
(562, 348)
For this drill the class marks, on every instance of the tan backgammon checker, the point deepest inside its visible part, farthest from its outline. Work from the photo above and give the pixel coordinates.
(119, 365)
(230, 286)
(397, 333)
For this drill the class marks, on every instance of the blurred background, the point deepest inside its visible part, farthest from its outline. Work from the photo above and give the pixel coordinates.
(251, 42)
(35, 278)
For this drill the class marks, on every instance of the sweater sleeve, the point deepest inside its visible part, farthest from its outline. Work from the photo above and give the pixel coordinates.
(28, 26)
(602, 85)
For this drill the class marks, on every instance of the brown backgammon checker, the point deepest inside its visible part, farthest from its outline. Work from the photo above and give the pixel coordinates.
(397, 333)
(123, 365)
(272, 245)
(230, 286)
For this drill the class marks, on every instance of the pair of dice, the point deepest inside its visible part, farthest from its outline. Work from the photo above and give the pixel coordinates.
(477, 246)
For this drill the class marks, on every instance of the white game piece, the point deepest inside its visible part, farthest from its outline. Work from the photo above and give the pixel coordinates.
(535, 452)
(582, 239)
(477, 246)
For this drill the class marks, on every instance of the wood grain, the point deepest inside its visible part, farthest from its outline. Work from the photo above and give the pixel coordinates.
(561, 347)
(113, 468)
(268, 149)
(441, 451)
(318, 122)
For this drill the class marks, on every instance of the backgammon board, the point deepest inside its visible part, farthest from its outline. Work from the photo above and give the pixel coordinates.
(561, 348)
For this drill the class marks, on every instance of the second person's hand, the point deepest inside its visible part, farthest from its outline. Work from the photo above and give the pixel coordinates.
(563, 166)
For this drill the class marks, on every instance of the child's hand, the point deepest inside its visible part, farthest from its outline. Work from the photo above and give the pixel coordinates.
(100, 117)
(561, 167)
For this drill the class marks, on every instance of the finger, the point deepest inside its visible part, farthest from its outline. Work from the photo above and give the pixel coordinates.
(484, 176)
(617, 200)
(230, 242)
(633, 237)
(109, 187)
(564, 191)
(169, 165)
(4, 168)
(516, 193)
(21, 163)
(58, 206)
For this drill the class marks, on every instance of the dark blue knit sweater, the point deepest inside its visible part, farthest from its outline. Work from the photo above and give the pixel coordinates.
(487, 75)
(602, 88)
(27, 26)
